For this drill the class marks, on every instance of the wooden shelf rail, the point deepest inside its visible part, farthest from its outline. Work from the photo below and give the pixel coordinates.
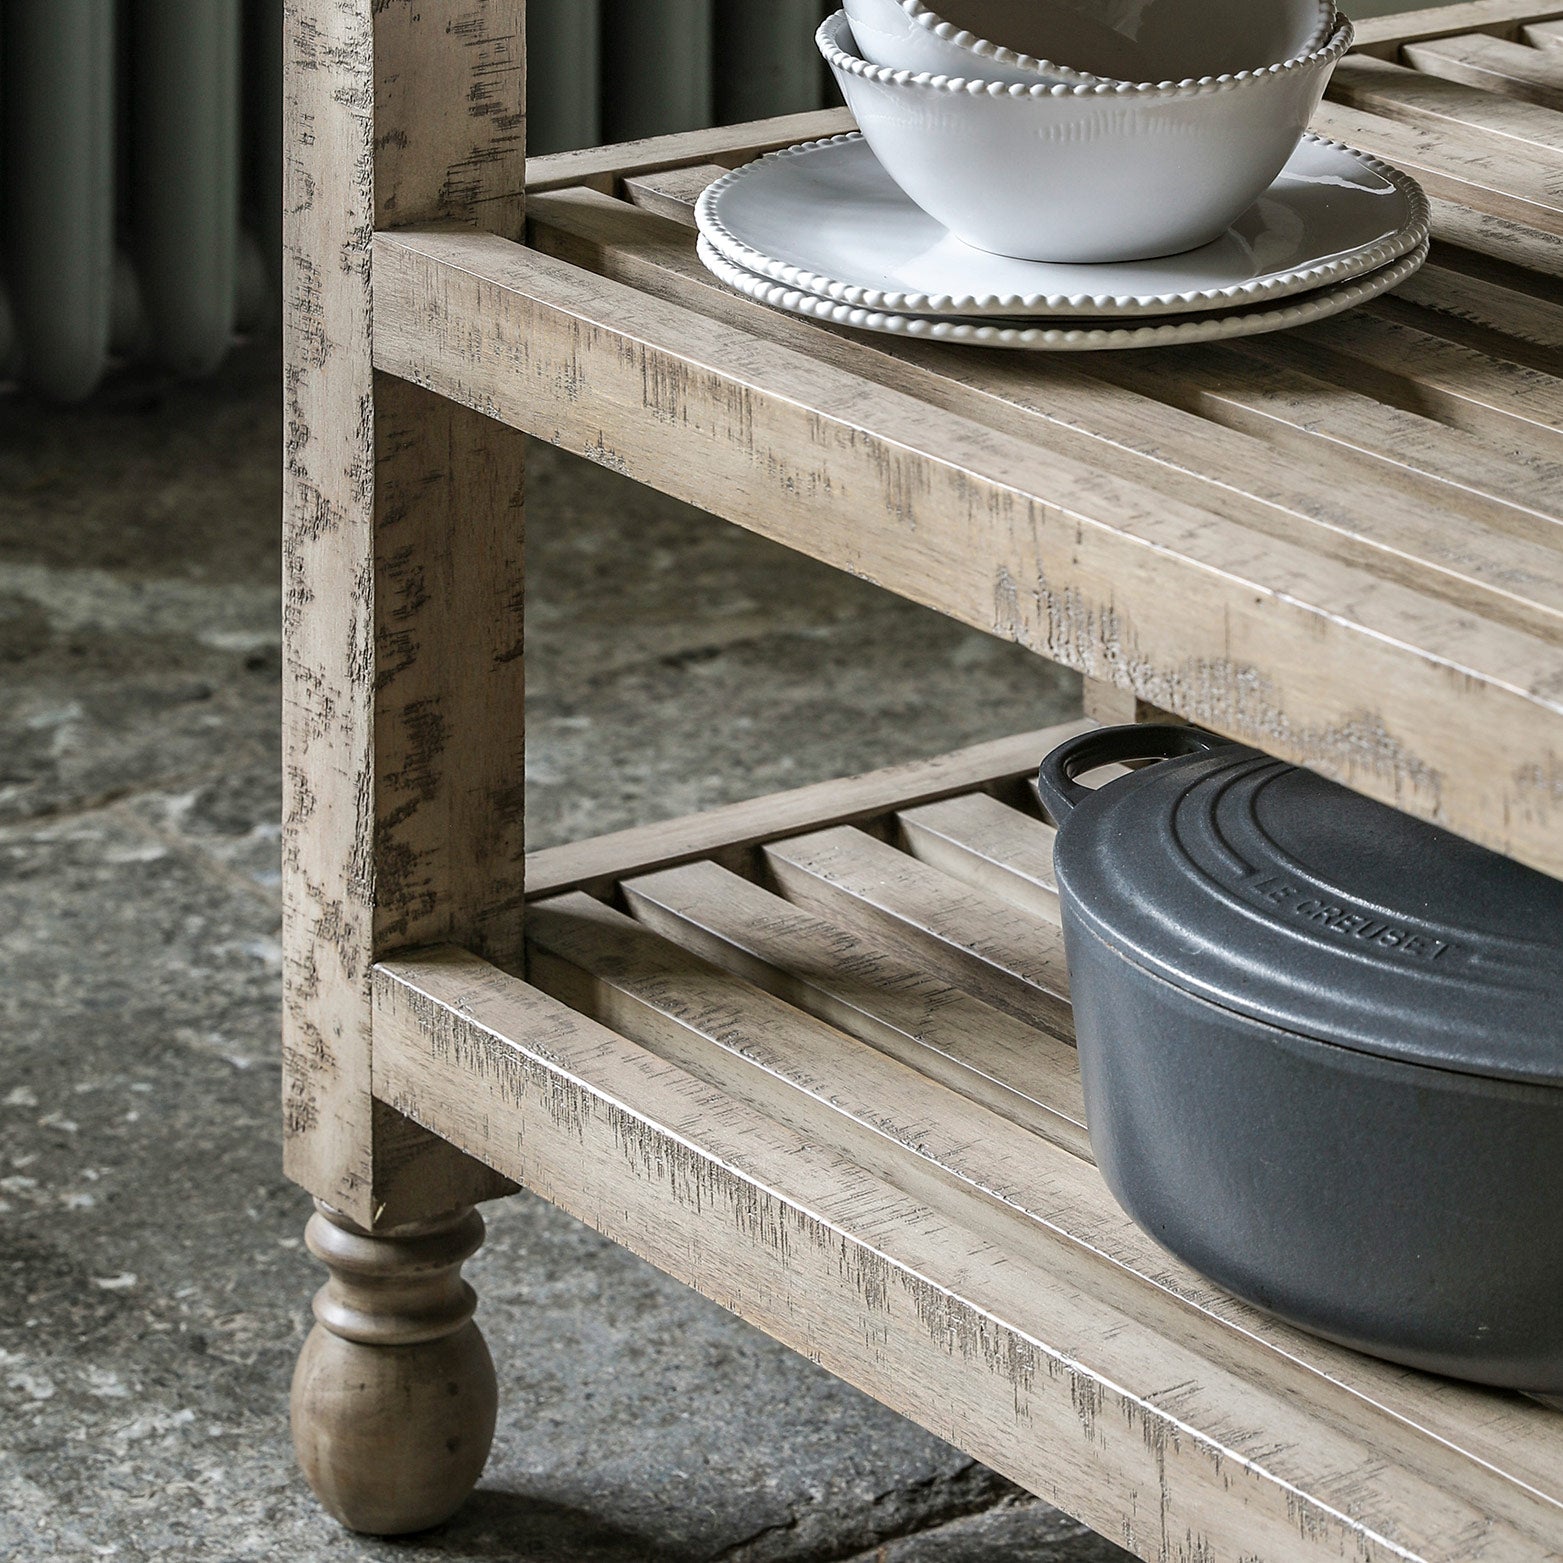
(833, 1089)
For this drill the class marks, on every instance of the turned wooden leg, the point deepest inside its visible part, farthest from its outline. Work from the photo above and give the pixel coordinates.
(394, 1396)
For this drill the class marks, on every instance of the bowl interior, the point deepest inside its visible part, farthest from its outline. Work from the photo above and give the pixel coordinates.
(1146, 40)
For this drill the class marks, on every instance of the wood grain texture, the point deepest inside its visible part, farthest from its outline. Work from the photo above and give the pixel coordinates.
(1398, 92)
(733, 832)
(1306, 656)
(857, 985)
(1513, 243)
(1502, 18)
(980, 842)
(1403, 508)
(450, 113)
(989, 1176)
(600, 168)
(1418, 475)
(1400, 360)
(862, 1216)
(962, 933)
(590, 230)
(394, 1398)
(449, 681)
(371, 562)
(1493, 64)
(814, 1057)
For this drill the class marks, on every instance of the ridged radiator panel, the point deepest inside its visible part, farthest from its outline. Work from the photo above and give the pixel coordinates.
(617, 70)
(141, 143)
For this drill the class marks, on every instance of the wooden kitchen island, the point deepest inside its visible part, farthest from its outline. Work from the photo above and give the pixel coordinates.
(812, 1054)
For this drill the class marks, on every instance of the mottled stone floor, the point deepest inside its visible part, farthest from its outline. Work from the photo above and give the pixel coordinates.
(153, 1286)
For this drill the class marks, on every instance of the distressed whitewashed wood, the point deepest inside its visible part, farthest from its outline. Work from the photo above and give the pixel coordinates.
(1543, 35)
(859, 987)
(671, 192)
(1385, 35)
(402, 729)
(1397, 92)
(1394, 518)
(731, 833)
(1302, 655)
(600, 168)
(1402, 363)
(700, 1166)
(398, 506)
(1036, 1199)
(1481, 170)
(394, 1398)
(449, 112)
(599, 234)
(1490, 315)
(983, 843)
(1108, 704)
(964, 934)
(1356, 443)
(1494, 64)
(838, 1093)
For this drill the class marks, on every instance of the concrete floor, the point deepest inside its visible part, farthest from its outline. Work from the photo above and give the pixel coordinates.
(153, 1286)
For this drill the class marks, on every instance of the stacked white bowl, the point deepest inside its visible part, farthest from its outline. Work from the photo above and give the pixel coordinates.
(1084, 130)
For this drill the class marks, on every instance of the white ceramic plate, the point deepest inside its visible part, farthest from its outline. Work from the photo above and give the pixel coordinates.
(825, 218)
(1217, 326)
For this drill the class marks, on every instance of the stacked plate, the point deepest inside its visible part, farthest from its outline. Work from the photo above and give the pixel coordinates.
(822, 230)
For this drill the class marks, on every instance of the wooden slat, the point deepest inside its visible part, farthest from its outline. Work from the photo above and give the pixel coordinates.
(1478, 169)
(1502, 18)
(600, 168)
(1024, 1074)
(965, 935)
(672, 192)
(983, 843)
(732, 832)
(1543, 35)
(1355, 442)
(1511, 253)
(1409, 366)
(1398, 92)
(1515, 244)
(1034, 1200)
(1353, 671)
(1483, 315)
(1396, 516)
(875, 1285)
(1494, 65)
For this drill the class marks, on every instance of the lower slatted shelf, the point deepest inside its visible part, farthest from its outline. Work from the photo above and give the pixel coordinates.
(812, 1056)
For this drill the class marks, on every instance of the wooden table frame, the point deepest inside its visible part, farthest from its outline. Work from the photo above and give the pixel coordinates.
(811, 1054)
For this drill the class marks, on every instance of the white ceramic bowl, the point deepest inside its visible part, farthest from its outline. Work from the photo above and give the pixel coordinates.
(1080, 41)
(1109, 171)
(909, 37)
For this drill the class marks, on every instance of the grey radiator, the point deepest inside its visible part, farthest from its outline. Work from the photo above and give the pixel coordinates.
(141, 151)
(141, 147)
(616, 70)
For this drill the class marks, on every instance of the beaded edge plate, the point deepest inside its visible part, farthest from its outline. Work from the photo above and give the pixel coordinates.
(1213, 327)
(1092, 294)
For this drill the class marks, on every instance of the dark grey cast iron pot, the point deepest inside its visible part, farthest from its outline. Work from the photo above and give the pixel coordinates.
(1322, 1049)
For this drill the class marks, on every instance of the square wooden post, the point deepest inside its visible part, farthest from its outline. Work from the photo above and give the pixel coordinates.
(403, 695)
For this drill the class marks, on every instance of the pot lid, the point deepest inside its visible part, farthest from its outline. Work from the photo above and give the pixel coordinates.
(1286, 897)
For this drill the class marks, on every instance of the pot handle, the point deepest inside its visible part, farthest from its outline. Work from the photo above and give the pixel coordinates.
(1113, 746)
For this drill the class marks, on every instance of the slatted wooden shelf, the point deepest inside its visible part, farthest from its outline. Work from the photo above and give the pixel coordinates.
(821, 1070)
(813, 1054)
(1311, 541)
